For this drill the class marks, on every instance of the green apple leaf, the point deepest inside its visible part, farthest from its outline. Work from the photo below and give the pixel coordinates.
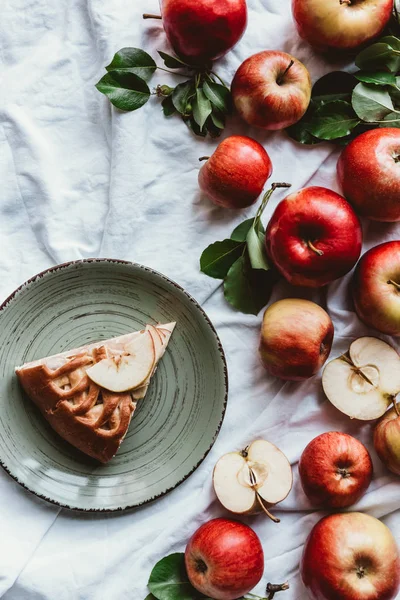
(379, 56)
(202, 108)
(218, 119)
(239, 234)
(194, 127)
(218, 95)
(376, 77)
(181, 96)
(392, 41)
(247, 289)
(172, 62)
(370, 103)
(334, 84)
(150, 597)
(133, 60)
(125, 90)
(218, 258)
(333, 120)
(168, 106)
(256, 250)
(300, 131)
(169, 580)
(391, 120)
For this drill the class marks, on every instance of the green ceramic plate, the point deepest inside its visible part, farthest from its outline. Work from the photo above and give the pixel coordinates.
(172, 429)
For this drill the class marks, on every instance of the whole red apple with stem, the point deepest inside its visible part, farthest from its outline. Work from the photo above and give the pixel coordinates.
(202, 30)
(271, 90)
(234, 176)
(387, 439)
(314, 237)
(224, 559)
(351, 556)
(376, 288)
(296, 338)
(335, 470)
(340, 24)
(369, 173)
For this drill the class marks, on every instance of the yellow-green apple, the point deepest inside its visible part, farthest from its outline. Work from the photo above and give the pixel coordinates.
(224, 559)
(234, 176)
(351, 556)
(387, 439)
(369, 174)
(203, 30)
(271, 90)
(296, 338)
(314, 237)
(335, 470)
(340, 24)
(376, 288)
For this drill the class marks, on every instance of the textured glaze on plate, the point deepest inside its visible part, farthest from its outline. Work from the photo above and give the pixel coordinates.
(172, 429)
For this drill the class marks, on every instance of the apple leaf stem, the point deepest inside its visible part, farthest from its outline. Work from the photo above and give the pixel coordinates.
(265, 200)
(314, 249)
(273, 589)
(149, 16)
(219, 79)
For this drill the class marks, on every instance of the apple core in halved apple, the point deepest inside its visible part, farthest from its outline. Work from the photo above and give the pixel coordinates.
(254, 479)
(365, 381)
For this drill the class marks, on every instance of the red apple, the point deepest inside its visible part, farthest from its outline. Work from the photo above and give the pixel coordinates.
(376, 288)
(351, 556)
(236, 173)
(271, 90)
(224, 559)
(387, 439)
(369, 174)
(296, 338)
(203, 30)
(335, 470)
(314, 237)
(340, 24)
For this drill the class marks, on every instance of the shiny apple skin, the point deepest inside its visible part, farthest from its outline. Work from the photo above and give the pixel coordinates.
(232, 553)
(377, 302)
(335, 470)
(202, 30)
(370, 176)
(330, 24)
(342, 546)
(235, 175)
(262, 101)
(296, 339)
(326, 219)
(387, 440)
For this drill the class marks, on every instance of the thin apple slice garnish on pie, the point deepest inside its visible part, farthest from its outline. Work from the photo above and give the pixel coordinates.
(89, 394)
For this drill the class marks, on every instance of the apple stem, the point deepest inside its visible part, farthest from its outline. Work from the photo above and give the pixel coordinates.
(148, 16)
(273, 589)
(282, 77)
(314, 249)
(396, 408)
(253, 482)
(396, 285)
(204, 158)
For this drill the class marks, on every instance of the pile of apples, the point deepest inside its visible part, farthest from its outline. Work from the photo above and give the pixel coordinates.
(313, 238)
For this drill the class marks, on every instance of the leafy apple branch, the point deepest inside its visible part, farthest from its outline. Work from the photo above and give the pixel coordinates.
(169, 581)
(241, 261)
(343, 105)
(203, 101)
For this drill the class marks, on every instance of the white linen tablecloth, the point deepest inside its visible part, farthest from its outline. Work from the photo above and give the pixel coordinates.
(78, 179)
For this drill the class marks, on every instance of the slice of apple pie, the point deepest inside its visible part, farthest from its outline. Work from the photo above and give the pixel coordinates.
(89, 394)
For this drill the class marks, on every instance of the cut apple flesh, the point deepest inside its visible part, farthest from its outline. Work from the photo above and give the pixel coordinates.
(259, 477)
(127, 370)
(365, 382)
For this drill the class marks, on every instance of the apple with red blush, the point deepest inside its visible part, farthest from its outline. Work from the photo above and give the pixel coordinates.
(235, 175)
(387, 439)
(271, 90)
(314, 237)
(335, 470)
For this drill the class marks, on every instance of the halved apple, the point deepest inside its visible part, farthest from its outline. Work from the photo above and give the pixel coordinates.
(253, 480)
(363, 382)
(129, 369)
